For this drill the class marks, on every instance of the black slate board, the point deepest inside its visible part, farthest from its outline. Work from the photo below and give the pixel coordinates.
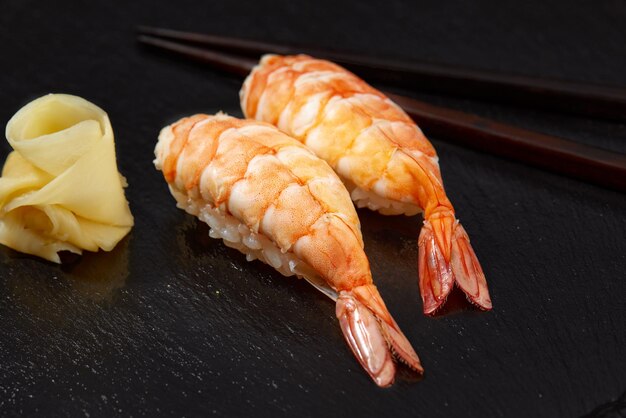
(173, 323)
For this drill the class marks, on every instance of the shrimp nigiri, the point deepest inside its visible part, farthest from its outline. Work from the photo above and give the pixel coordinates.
(382, 156)
(267, 195)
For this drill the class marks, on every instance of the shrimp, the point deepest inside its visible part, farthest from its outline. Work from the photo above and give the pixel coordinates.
(271, 198)
(382, 156)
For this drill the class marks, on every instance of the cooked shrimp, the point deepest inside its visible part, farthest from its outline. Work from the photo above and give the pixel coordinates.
(271, 198)
(379, 152)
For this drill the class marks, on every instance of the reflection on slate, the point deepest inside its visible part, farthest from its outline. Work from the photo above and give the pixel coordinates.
(94, 277)
(97, 276)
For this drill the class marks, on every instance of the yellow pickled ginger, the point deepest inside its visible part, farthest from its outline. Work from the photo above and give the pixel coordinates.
(60, 188)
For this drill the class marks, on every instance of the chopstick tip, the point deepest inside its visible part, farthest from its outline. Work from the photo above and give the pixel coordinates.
(142, 29)
(152, 31)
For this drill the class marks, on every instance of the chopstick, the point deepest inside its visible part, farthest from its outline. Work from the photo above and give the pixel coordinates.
(555, 154)
(552, 153)
(599, 101)
(230, 63)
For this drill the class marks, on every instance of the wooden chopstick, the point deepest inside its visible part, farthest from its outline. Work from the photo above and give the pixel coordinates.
(586, 99)
(230, 63)
(552, 153)
(555, 154)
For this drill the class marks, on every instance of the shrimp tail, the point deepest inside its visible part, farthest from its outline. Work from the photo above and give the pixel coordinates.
(446, 258)
(373, 335)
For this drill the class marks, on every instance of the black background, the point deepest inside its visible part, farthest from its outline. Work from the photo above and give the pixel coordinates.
(174, 323)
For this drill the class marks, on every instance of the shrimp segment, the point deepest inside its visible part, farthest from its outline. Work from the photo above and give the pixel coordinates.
(378, 151)
(271, 198)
